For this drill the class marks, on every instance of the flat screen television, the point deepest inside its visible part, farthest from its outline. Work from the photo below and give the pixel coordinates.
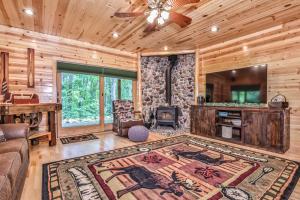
(246, 85)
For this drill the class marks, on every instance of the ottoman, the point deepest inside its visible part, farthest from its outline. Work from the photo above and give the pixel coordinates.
(138, 133)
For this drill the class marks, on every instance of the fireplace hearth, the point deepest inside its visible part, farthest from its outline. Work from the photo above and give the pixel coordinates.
(153, 79)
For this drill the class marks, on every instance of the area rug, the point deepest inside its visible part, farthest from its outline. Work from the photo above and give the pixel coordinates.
(78, 138)
(182, 167)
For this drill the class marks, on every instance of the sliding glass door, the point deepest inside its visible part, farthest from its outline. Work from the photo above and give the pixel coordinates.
(87, 101)
(80, 99)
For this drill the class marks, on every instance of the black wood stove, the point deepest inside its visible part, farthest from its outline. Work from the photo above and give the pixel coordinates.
(168, 115)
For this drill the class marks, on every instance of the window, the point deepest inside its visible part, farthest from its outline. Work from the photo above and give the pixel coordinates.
(126, 89)
(110, 94)
(80, 99)
(245, 94)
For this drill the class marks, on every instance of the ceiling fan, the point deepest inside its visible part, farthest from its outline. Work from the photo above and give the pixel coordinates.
(161, 12)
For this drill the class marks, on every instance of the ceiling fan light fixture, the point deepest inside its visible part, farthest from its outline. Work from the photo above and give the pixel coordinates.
(152, 3)
(167, 7)
(160, 21)
(150, 19)
(154, 13)
(165, 15)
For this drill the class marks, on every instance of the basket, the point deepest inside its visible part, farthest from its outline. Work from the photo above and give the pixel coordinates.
(278, 101)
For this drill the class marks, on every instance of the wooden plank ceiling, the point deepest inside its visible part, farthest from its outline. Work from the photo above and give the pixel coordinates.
(93, 21)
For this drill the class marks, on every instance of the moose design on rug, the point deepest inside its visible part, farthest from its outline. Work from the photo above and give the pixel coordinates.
(147, 179)
(177, 171)
(181, 168)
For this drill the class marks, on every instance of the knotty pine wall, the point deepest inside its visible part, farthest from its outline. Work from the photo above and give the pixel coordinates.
(279, 47)
(49, 50)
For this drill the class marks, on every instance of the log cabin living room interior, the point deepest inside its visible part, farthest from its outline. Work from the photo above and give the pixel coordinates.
(149, 99)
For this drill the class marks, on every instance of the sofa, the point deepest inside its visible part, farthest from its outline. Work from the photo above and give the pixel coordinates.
(14, 160)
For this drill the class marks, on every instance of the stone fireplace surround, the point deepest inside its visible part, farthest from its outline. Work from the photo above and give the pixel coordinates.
(183, 84)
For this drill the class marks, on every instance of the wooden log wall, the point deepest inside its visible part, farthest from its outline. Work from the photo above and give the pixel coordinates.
(279, 47)
(49, 50)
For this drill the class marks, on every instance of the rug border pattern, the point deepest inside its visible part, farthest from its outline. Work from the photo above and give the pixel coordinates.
(50, 169)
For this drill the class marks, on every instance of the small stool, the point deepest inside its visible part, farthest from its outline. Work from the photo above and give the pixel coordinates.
(138, 133)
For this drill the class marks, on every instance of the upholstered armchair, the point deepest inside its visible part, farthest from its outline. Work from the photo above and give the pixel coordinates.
(125, 117)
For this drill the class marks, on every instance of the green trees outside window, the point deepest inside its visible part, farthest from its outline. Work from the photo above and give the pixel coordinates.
(81, 96)
(111, 92)
(244, 96)
(80, 99)
(126, 89)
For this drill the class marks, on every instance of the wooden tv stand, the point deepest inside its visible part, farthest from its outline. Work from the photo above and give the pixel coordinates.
(260, 127)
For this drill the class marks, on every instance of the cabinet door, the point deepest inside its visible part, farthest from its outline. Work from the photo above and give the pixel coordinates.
(207, 125)
(193, 117)
(254, 127)
(203, 121)
(274, 130)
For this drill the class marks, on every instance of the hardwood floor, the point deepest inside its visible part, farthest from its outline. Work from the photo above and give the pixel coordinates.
(42, 153)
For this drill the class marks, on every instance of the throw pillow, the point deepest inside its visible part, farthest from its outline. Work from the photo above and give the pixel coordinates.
(2, 136)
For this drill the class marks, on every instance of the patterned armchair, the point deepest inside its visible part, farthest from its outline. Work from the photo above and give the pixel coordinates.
(124, 117)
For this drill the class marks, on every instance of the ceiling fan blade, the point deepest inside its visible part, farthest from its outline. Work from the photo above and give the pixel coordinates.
(150, 28)
(128, 14)
(180, 19)
(179, 3)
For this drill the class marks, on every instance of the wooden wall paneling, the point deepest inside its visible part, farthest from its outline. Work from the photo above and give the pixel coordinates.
(139, 83)
(134, 93)
(49, 50)
(279, 47)
(30, 68)
(4, 71)
(197, 66)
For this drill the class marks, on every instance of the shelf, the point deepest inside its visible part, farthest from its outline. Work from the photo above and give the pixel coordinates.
(230, 117)
(228, 125)
(38, 134)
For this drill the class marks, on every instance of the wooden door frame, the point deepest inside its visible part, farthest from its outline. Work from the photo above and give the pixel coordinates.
(81, 130)
(78, 130)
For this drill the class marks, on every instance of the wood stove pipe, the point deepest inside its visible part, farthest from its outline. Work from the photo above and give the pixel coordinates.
(173, 61)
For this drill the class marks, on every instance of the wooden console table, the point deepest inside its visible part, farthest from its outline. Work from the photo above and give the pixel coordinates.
(260, 127)
(7, 112)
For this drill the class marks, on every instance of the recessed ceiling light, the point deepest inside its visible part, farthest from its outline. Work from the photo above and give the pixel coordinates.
(115, 35)
(166, 48)
(28, 11)
(214, 29)
(94, 55)
(233, 71)
(245, 48)
(256, 66)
